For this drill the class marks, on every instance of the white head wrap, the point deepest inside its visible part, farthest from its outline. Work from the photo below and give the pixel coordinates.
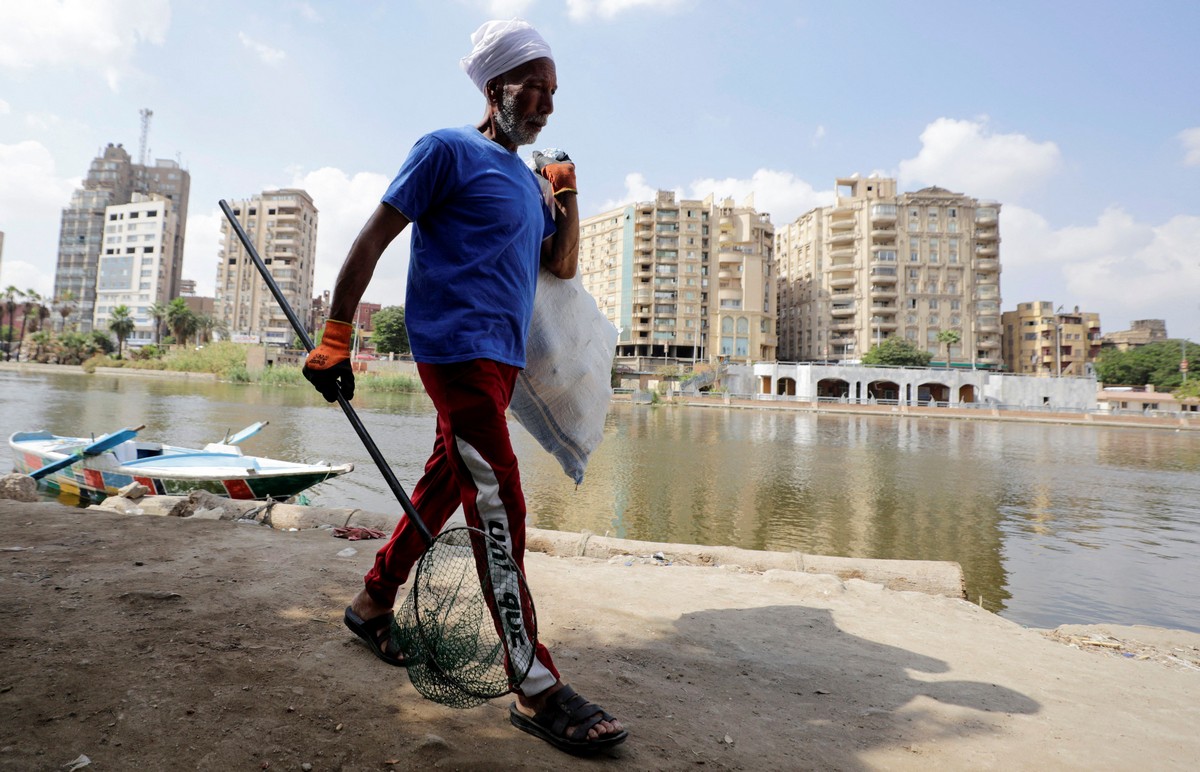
(499, 46)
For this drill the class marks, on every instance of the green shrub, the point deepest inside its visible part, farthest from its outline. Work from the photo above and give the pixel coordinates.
(281, 375)
(219, 358)
(238, 374)
(387, 382)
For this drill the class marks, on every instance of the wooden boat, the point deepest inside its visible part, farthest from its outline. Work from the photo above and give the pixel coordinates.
(219, 467)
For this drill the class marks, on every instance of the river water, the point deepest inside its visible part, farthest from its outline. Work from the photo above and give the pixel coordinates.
(1052, 524)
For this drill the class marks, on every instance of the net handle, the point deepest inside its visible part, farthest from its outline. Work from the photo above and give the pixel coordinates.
(372, 449)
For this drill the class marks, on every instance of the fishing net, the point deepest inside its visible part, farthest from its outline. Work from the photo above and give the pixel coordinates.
(458, 654)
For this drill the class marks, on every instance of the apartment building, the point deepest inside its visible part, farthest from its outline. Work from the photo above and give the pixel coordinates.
(687, 280)
(1142, 332)
(1040, 340)
(878, 264)
(137, 266)
(282, 225)
(112, 179)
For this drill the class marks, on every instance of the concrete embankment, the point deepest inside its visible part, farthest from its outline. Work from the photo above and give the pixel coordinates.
(193, 643)
(928, 576)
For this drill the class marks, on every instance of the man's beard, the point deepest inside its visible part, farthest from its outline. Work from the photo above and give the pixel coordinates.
(518, 131)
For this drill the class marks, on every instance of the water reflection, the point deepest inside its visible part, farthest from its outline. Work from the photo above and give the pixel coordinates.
(1051, 524)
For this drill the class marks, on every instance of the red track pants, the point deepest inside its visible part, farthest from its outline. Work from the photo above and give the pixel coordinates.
(472, 464)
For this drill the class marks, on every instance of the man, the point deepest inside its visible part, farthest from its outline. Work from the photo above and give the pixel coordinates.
(481, 230)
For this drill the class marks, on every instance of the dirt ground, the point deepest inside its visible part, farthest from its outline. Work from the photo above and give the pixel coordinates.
(166, 643)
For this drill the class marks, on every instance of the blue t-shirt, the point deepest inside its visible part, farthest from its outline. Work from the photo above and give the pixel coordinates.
(478, 223)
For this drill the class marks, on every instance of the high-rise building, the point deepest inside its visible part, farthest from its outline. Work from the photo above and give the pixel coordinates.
(1040, 340)
(686, 280)
(112, 179)
(282, 225)
(137, 262)
(877, 265)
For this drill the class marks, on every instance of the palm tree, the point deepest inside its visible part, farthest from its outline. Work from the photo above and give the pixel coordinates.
(33, 301)
(158, 312)
(180, 319)
(11, 293)
(950, 338)
(120, 324)
(43, 313)
(205, 324)
(66, 307)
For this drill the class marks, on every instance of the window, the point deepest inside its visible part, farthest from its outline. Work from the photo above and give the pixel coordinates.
(933, 304)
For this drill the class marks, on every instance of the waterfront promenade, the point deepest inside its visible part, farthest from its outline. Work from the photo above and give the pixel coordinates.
(178, 643)
(1182, 422)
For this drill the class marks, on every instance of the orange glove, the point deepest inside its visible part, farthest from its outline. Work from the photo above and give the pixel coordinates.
(327, 366)
(557, 167)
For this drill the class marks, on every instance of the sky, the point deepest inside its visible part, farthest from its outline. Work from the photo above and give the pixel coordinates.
(1081, 118)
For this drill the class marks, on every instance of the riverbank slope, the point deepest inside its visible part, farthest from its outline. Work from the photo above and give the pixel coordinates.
(168, 643)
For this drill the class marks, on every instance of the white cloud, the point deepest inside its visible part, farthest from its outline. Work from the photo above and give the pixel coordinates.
(27, 276)
(32, 196)
(4, 108)
(200, 250)
(504, 9)
(266, 54)
(818, 135)
(41, 122)
(582, 10)
(781, 194)
(1191, 146)
(310, 14)
(963, 156)
(92, 35)
(343, 205)
(1119, 267)
(636, 189)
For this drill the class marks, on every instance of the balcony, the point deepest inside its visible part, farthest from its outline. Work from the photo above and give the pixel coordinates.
(986, 250)
(988, 344)
(882, 292)
(843, 252)
(985, 215)
(883, 213)
(987, 265)
(844, 237)
(993, 327)
(843, 326)
(846, 222)
(842, 281)
(842, 340)
(842, 311)
(842, 212)
(883, 279)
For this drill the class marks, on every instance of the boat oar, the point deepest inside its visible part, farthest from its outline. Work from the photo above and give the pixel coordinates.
(94, 449)
(246, 433)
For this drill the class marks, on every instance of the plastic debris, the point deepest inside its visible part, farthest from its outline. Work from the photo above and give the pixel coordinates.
(78, 763)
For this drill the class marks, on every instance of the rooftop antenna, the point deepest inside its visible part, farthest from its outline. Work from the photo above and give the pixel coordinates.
(145, 112)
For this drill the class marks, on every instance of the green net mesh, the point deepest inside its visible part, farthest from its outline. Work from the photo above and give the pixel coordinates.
(458, 654)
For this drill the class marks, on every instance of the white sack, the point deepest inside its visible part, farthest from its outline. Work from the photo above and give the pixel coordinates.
(562, 395)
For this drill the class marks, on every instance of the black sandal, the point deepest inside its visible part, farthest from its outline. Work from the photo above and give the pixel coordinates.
(565, 708)
(377, 633)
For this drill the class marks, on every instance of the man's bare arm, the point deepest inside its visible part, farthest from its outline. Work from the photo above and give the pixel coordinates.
(382, 227)
(560, 252)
